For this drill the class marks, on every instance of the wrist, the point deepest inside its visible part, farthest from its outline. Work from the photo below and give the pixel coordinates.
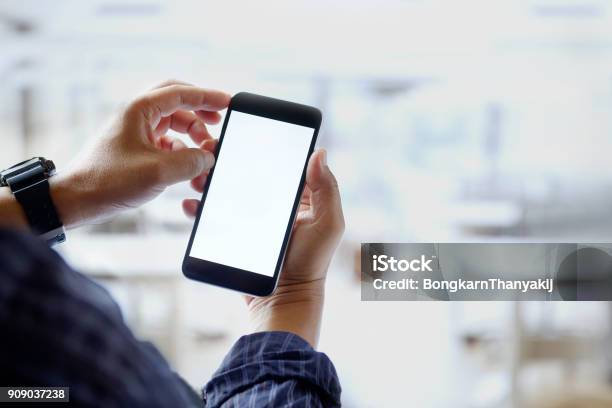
(65, 197)
(70, 199)
(295, 308)
(11, 213)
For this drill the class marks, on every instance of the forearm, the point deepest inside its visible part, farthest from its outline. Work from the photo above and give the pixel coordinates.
(294, 308)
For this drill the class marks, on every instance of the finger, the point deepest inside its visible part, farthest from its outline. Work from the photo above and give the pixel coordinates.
(171, 143)
(199, 182)
(189, 123)
(183, 164)
(165, 101)
(305, 198)
(324, 197)
(209, 145)
(184, 122)
(162, 127)
(190, 207)
(303, 208)
(212, 118)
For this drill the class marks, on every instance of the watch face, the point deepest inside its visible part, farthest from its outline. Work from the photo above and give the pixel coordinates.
(28, 164)
(15, 169)
(47, 166)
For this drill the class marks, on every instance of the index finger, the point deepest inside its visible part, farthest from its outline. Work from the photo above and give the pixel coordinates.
(165, 101)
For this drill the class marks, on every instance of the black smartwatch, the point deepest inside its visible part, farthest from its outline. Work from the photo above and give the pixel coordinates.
(29, 183)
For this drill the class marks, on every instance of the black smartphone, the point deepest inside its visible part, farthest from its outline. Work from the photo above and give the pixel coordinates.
(251, 196)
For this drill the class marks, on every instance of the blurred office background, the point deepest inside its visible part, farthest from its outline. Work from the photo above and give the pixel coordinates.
(444, 120)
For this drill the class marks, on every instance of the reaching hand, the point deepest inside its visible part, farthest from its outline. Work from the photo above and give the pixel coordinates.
(136, 160)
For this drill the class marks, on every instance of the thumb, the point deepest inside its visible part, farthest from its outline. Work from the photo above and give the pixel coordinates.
(325, 196)
(184, 164)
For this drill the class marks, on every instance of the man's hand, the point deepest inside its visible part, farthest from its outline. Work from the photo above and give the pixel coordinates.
(297, 303)
(135, 161)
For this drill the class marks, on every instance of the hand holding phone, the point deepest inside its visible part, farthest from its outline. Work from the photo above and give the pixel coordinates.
(297, 303)
(265, 162)
(251, 197)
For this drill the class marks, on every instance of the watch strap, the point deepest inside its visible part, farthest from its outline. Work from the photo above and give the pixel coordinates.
(35, 199)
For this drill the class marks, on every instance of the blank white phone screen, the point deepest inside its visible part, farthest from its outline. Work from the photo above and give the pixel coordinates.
(252, 192)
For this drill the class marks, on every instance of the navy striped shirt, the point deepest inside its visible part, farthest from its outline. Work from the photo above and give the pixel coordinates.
(59, 328)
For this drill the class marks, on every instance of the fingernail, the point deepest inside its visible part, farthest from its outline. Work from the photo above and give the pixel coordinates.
(209, 145)
(210, 159)
(198, 127)
(323, 159)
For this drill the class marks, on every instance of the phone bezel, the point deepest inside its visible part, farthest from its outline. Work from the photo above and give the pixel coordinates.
(225, 276)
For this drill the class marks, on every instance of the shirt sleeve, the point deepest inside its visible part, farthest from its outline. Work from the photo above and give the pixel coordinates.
(274, 369)
(59, 328)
